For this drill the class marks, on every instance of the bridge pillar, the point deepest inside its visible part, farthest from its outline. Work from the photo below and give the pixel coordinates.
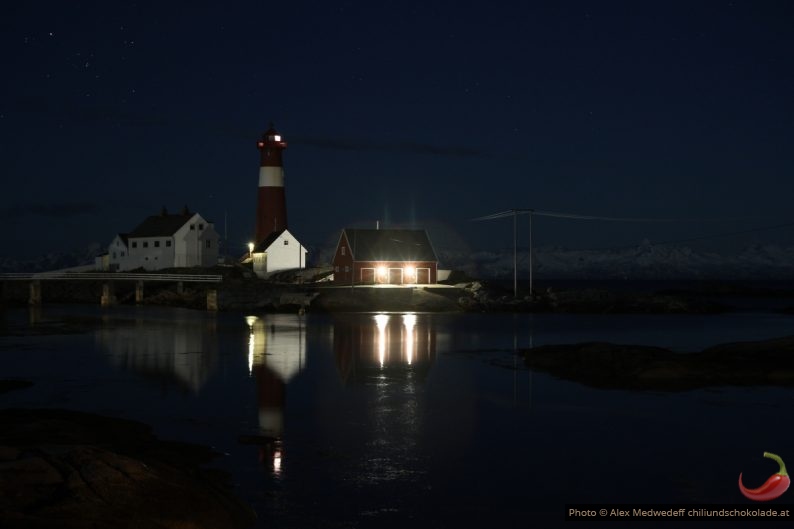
(35, 293)
(108, 294)
(139, 292)
(212, 299)
(180, 287)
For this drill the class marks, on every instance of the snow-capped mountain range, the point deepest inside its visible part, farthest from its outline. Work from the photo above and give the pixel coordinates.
(52, 261)
(645, 261)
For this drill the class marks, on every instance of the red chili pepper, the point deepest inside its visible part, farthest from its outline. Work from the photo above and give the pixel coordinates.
(776, 485)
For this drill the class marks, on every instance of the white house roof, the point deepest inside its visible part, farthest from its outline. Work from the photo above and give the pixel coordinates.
(270, 239)
(162, 225)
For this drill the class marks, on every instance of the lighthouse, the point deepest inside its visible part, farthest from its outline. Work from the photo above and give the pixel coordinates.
(271, 209)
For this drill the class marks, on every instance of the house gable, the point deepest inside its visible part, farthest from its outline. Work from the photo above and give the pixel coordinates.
(279, 251)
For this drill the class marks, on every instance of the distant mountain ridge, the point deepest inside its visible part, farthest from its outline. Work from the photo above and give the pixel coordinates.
(644, 261)
(52, 260)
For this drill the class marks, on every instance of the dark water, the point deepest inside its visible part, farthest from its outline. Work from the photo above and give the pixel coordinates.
(423, 420)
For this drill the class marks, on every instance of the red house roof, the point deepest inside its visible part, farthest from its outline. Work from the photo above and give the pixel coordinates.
(390, 245)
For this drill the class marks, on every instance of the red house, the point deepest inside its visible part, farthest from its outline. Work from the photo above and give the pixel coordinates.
(395, 257)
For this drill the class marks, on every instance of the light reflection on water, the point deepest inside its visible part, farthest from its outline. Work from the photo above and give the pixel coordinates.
(276, 354)
(371, 419)
(386, 341)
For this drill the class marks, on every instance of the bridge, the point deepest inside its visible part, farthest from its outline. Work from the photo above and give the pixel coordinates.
(108, 279)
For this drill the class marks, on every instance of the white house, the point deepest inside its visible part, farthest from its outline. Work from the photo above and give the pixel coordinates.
(166, 241)
(280, 251)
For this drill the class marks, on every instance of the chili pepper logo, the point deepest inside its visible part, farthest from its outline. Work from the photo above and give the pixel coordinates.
(776, 485)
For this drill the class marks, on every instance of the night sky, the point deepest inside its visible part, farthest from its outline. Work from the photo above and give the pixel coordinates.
(413, 113)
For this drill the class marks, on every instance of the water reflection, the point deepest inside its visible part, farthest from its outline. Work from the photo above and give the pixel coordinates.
(386, 341)
(276, 354)
(389, 357)
(184, 352)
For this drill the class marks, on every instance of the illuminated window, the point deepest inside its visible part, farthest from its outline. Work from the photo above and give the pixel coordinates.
(277, 137)
(343, 250)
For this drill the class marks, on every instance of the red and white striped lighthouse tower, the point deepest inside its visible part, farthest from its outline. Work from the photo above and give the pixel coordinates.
(271, 209)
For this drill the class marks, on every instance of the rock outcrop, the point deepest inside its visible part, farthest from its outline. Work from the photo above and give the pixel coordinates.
(75, 470)
(638, 367)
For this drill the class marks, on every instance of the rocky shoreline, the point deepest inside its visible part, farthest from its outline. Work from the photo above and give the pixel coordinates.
(240, 290)
(74, 470)
(637, 367)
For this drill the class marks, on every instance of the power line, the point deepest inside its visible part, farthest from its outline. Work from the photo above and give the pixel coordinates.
(532, 212)
(577, 216)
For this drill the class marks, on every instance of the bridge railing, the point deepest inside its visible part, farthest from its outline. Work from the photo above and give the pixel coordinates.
(87, 276)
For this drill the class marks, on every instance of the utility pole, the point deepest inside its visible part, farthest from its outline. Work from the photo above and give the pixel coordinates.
(515, 254)
(530, 252)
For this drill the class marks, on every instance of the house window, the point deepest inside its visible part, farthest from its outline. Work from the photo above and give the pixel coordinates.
(347, 269)
(201, 226)
(192, 226)
(336, 269)
(343, 250)
(114, 255)
(286, 242)
(146, 244)
(135, 245)
(168, 243)
(156, 244)
(122, 254)
(209, 244)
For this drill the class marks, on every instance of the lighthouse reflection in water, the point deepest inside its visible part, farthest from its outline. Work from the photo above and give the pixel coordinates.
(276, 353)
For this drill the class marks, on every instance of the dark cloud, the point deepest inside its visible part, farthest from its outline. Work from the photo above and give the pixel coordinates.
(398, 148)
(53, 210)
